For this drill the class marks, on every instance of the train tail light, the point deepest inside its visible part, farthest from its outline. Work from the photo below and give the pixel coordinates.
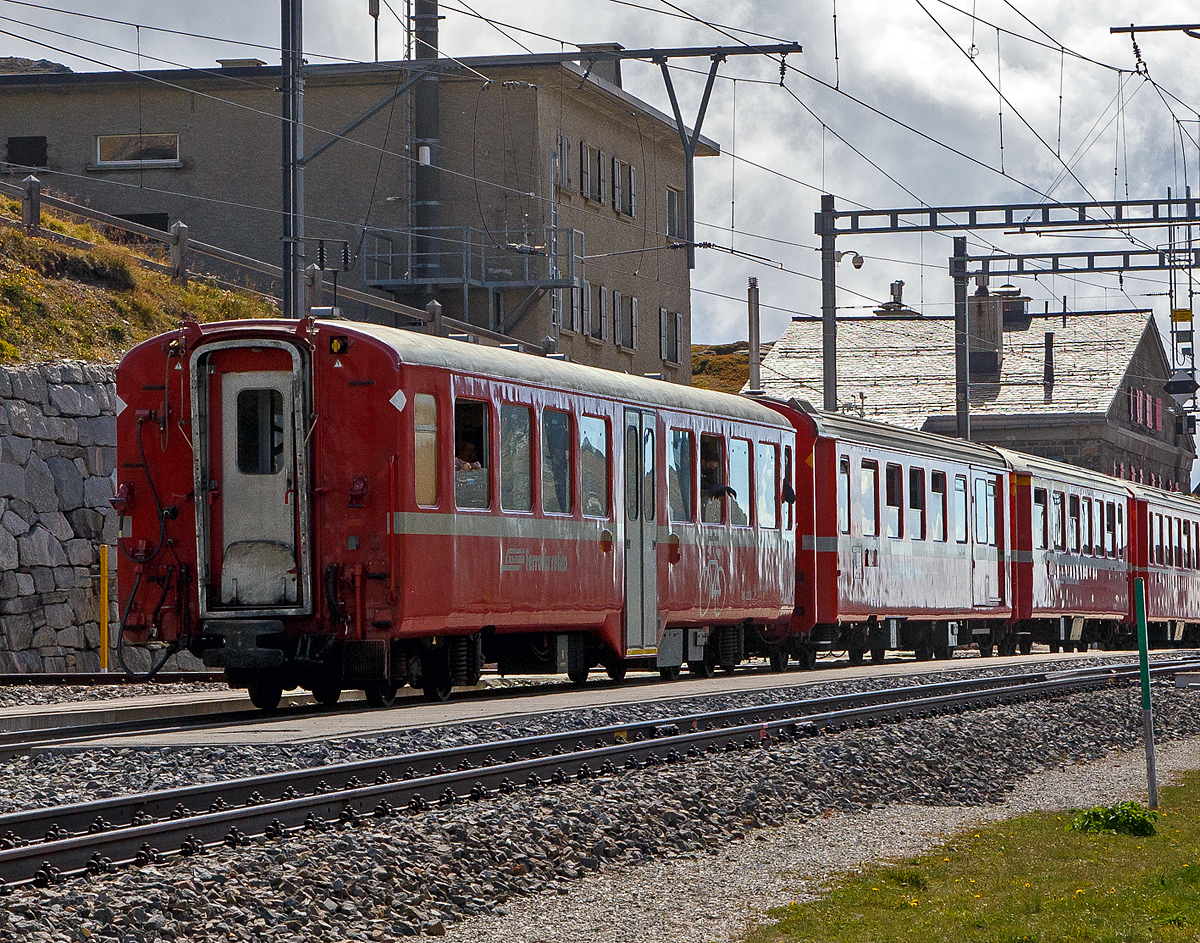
(123, 502)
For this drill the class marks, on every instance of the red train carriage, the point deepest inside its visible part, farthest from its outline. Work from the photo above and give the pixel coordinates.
(336, 504)
(1071, 571)
(1165, 547)
(903, 538)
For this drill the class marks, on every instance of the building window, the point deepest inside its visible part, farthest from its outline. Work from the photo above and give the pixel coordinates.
(27, 152)
(562, 162)
(624, 187)
(670, 335)
(596, 312)
(625, 310)
(591, 172)
(137, 150)
(674, 213)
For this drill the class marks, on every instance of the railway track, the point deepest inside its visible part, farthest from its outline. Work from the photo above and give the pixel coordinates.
(45, 845)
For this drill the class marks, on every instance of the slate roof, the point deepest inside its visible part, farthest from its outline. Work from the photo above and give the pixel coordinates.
(901, 371)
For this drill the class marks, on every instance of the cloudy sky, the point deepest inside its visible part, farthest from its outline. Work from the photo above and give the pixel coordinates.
(1078, 122)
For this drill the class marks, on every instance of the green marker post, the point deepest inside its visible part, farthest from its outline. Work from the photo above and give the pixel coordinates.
(1139, 600)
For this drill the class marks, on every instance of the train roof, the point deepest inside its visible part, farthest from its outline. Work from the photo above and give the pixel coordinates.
(852, 428)
(411, 347)
(1061, 471)
(1185, 503)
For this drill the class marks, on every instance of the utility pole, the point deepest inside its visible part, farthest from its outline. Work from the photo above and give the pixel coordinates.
(752, 311)
(426, 197)
(962, 363)
(828, 233)
(292, 89)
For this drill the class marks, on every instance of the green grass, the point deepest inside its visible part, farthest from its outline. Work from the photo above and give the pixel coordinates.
(94, 304)
(1027, 880)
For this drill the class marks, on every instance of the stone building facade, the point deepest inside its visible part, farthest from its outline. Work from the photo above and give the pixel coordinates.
(57, 457)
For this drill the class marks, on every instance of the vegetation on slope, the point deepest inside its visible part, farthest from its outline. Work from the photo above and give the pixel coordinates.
(722, 367)
(94, 304)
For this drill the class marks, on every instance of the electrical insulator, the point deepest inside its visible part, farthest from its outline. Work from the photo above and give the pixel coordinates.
(346, 260)
(321, 254)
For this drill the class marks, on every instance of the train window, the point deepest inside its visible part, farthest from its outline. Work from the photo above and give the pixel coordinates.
(739, 481)
(1158, 539)
(681, 476)
(937, 505)
(425, 451)
(894, 485)
(766, 490)
(712, 478)
(993, 516)
(1187, 545)
(1119, 540)
(1058, 521)
(1085, 525)
(789, 493)
(1178, 542)
(1039, 518)
(843, 500)
(516, 458)
(471, 454)
(633, 488)
(1195, 546)
(593, 465)
(960, 509)
(1073, 523)
(649, 478)
(259, 431)
(556, 462)
(1110, 529)
(916, 503)
(869, 495)
(1169, 542)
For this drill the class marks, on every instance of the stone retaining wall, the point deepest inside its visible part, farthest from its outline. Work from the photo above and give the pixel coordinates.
(58, 437)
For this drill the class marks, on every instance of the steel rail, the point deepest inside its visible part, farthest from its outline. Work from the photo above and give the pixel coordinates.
(108, 846)
(104, 679)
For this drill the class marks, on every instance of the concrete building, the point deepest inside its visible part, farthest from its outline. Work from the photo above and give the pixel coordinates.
(1084, 388)
(547, 176)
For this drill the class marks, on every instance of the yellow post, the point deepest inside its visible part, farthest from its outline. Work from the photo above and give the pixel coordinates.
(104, 607)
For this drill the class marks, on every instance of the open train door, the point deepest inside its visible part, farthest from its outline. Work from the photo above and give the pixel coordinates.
(251, 475)
(641, 535)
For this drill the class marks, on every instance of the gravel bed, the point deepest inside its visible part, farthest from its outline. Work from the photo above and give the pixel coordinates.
(31, 695)
(524, 853)
(61, 778)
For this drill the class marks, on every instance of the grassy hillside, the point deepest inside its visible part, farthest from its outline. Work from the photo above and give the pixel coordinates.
(723, 367)
(94, 304)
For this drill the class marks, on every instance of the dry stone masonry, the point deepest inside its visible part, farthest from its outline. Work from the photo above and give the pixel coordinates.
(58, 436)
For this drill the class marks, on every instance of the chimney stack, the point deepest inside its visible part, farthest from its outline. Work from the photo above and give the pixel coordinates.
(1048, 369)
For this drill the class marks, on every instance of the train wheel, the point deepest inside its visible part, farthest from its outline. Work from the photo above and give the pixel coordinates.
(702, 668)
(616, 671)
(923, 651)
(326, 693)
(1026, 644)
(808, 657)
(986, 649)
(578, 675)
(856, 656)
(779, 660)
(265, 693)
(1055, 646)
(437, 691)
(942, 652)
(669, 674)
(877, 655)
(381, 693)
(1081, 646)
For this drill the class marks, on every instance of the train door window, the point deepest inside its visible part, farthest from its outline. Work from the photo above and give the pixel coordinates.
(789, 493)
(894, 485)
(1039, 518)
(766, 481)
(739, 481)
(960, 509)
(425, 449)
(681, 476)
(471, 454)
(633, 486)
(516, 458)
(1110, 529)
(993, 513)
(1058, 520)
(981, 512)
(259, 432)
(712, 478)
(649, 477)
(593, 465)
(869, 495)
(937, 505)
(843, 499)
(916, 503)
(1085, 525)
(1073, 523)
(557, 497)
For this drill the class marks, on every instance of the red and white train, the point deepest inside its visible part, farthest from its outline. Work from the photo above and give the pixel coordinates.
(334, 504)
